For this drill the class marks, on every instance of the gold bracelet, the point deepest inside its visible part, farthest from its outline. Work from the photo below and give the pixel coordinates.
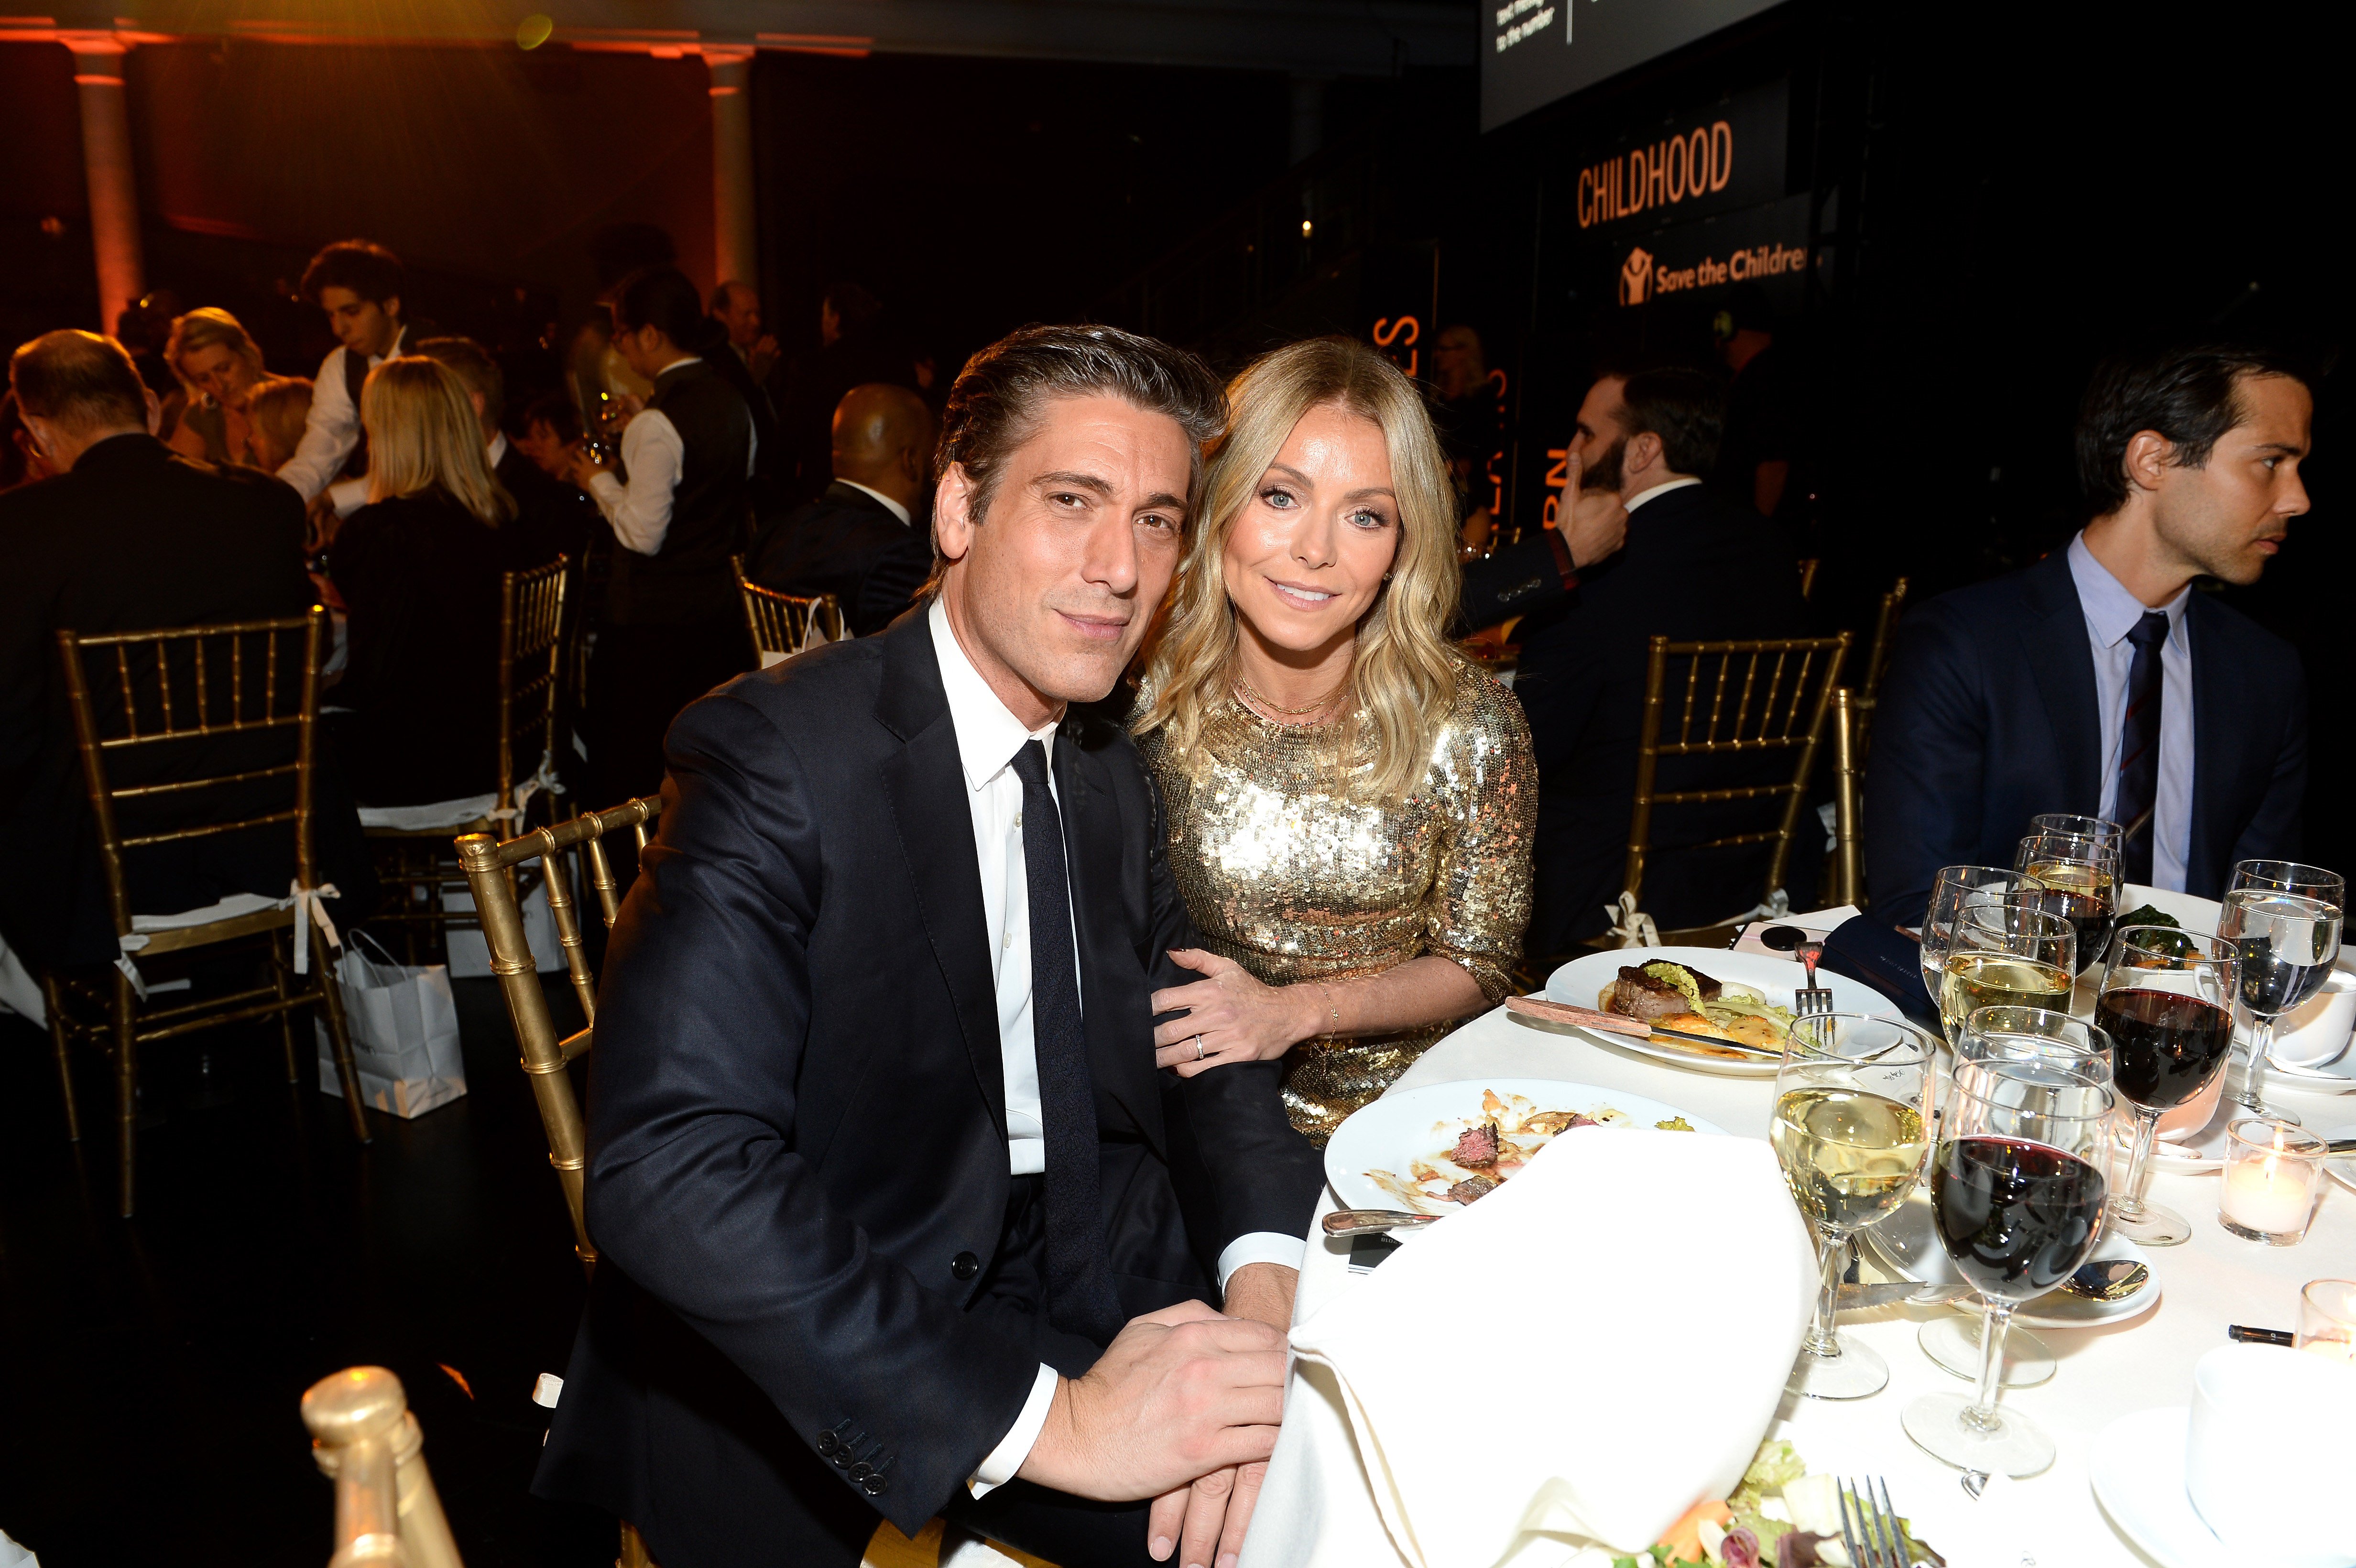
(1331, 1009)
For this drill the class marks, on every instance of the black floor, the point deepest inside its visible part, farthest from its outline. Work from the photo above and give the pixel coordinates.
(151, 1370)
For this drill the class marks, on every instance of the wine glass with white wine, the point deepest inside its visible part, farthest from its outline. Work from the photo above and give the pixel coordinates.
(2007, 954)
(1955, 888)
(2284, 922)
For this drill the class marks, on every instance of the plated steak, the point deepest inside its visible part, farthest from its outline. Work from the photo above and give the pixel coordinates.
(1637, 995)
(1476, 1147)
(1472, 1188)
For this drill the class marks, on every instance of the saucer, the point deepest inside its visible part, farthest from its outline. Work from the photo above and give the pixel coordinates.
(1907, 1242)
(2137, 1463)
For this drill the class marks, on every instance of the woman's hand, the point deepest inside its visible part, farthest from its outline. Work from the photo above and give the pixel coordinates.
(1229, 1016)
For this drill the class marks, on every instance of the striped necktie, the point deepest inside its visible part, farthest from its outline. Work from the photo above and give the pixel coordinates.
(2139, 748)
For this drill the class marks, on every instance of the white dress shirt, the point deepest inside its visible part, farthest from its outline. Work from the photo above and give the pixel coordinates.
(890, 506)
(1663, 488)
(987, 737)
(655, 457)
(2111, 613)
(330, 431)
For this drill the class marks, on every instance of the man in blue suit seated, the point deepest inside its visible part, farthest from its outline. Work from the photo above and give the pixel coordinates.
(2097, 680)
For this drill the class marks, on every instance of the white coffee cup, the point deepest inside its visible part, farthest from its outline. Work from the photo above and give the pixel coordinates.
(2315, 1033)
(2265, 1453)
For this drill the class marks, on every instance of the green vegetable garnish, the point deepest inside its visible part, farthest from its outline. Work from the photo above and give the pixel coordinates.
(1675, 1124)
(1681, 977)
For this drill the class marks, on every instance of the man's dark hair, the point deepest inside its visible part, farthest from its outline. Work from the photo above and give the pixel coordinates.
(363, 266)
(721, 292)
(474, 368)
(2187, 394)
(854, 307)
(1001, 393)
(1686, 407)
(662, 298)
(555, 410)
(79, 379)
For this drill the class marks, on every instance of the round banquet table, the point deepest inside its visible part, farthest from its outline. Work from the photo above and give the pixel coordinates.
(2104, 1372)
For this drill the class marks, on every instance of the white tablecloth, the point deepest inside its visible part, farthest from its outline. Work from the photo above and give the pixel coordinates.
(1315, 1491)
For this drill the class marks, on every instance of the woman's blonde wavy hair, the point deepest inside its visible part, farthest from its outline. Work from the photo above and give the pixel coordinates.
(205, 328)
(423, 436)
(1403, 675)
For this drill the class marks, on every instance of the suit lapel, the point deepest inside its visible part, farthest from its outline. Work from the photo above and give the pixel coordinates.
(925, 783)
(1119, 1046)
(2054, 644)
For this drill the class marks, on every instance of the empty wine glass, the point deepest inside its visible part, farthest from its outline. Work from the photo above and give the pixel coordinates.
(1850, 1130)
(2080, 878)
(2167, 1004)
(1954, 888)
(2017, 1188)
(2007, 954)
(2283, 921)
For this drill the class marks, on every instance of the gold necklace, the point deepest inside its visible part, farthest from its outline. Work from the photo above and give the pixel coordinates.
(1252, 696)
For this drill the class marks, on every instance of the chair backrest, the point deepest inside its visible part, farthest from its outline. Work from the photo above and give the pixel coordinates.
(1732, 699)
(365, 1440)
(1808, 577)
(489, 865)
(531, 651)
(164, 708)
(1849, 861)
(1877, 662)
(780, 623)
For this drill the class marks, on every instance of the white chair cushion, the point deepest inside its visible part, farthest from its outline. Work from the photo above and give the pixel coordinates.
(440, 814)
(229, 908)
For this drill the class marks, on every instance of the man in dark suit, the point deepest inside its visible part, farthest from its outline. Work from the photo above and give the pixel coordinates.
(129, 536)
(859, 541)
(2098, 681)
(1693, 567)
(878, 1161)
(551, 517)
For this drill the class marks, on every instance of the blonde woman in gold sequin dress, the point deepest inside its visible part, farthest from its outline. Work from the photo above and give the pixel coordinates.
(1349, 801)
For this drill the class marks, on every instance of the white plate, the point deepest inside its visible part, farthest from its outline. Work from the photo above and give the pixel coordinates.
(2137, 1463)
(2198, 916)
(1907, 1242)
(1409, 1125)
(1581, 980)
(2343, 1170)
(2202, 1151)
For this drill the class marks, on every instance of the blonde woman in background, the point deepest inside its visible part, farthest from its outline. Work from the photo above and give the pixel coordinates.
(219, 366)
(418, 568)
(1350, 803)
(274, 414)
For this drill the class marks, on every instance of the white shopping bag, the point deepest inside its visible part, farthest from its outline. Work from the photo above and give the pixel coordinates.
(470, 955)
(405, 1027)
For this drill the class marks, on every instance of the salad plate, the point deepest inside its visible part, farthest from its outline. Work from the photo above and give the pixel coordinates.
(2137, 1465)
(1581, 981)
(1421, 1128)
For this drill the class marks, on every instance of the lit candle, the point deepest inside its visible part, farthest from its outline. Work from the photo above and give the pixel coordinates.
(2269, 1182)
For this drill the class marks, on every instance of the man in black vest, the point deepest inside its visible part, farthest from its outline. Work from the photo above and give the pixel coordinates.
(673, 629)
(358, 283)
(861, 542)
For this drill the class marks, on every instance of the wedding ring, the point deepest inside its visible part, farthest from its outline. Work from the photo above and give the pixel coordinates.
(1198, 1048)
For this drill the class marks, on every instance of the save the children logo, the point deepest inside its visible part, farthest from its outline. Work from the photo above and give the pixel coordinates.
(1635, 276)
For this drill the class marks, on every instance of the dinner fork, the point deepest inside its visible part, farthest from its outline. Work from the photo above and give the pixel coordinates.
(1813, 997)
(1869, 1526)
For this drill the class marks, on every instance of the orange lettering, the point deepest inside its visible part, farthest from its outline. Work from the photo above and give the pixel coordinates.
(1677, 168)
(1722, 153)
(1656, 180)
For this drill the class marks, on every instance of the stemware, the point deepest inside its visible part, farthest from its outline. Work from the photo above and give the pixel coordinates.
(2167, 1003)
(2018, 1186)
(1850, 1130)
(2006, 953)
(1955, 889)
(2012, 1034)
(2101, 827)
(2284, 922)
(2079, 878)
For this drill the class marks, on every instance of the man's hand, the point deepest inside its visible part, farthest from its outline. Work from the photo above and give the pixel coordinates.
(1593, 523)
(1180, 1393)
(582, 465)
(1206, 1522)
(762, 357)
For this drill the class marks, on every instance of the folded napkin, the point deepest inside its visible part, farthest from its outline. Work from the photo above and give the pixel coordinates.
(1583, 1354)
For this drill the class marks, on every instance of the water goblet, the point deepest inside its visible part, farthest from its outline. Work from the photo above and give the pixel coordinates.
(2284, 922)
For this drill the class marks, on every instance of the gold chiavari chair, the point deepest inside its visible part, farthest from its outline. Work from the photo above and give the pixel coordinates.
(189, 698)
(1847, 880)
(780, 623)
(1733, 699)
(1877, 664)
(1808, 577)
(416, 860)
(368, 1442)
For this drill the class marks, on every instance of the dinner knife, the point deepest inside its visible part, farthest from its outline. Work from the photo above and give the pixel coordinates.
(1616, 1023)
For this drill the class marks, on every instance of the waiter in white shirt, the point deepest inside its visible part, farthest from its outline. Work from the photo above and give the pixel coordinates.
(358, 284)
(673, 628)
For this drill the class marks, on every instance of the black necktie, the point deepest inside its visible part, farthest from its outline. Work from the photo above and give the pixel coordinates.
(2139, 748)
(1080, 1298)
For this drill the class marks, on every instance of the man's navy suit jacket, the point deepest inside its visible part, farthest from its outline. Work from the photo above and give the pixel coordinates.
(1988, 717)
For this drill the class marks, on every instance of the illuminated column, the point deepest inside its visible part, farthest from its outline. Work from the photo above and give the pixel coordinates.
(106, 159)
(731, 165)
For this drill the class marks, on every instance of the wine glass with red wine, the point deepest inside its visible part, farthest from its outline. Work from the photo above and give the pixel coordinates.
(2167, 1003)
(2284, 922)
(2018, 1190)
(2079, 877)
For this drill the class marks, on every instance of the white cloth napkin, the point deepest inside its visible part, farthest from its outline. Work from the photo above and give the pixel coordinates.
(1582, 1355)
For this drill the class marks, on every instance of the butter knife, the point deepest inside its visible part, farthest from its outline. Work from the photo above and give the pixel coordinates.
(1904, 1292)
(1614, 1023)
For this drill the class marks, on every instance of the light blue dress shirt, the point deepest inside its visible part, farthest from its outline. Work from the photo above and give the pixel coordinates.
(2111, 613)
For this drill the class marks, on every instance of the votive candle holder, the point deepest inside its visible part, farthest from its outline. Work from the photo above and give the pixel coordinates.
(2327, 1319)
(2272, 1181)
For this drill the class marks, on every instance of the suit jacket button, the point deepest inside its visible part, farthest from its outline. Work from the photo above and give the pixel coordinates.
(965, 1265)
(827, 1444)
(873, 1486)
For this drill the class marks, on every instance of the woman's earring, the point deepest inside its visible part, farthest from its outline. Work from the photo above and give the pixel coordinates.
(1386, 577)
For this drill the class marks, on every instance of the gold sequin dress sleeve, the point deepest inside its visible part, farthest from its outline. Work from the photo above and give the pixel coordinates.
(1292, 876)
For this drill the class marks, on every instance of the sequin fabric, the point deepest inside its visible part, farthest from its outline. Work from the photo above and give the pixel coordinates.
(1290, 875)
